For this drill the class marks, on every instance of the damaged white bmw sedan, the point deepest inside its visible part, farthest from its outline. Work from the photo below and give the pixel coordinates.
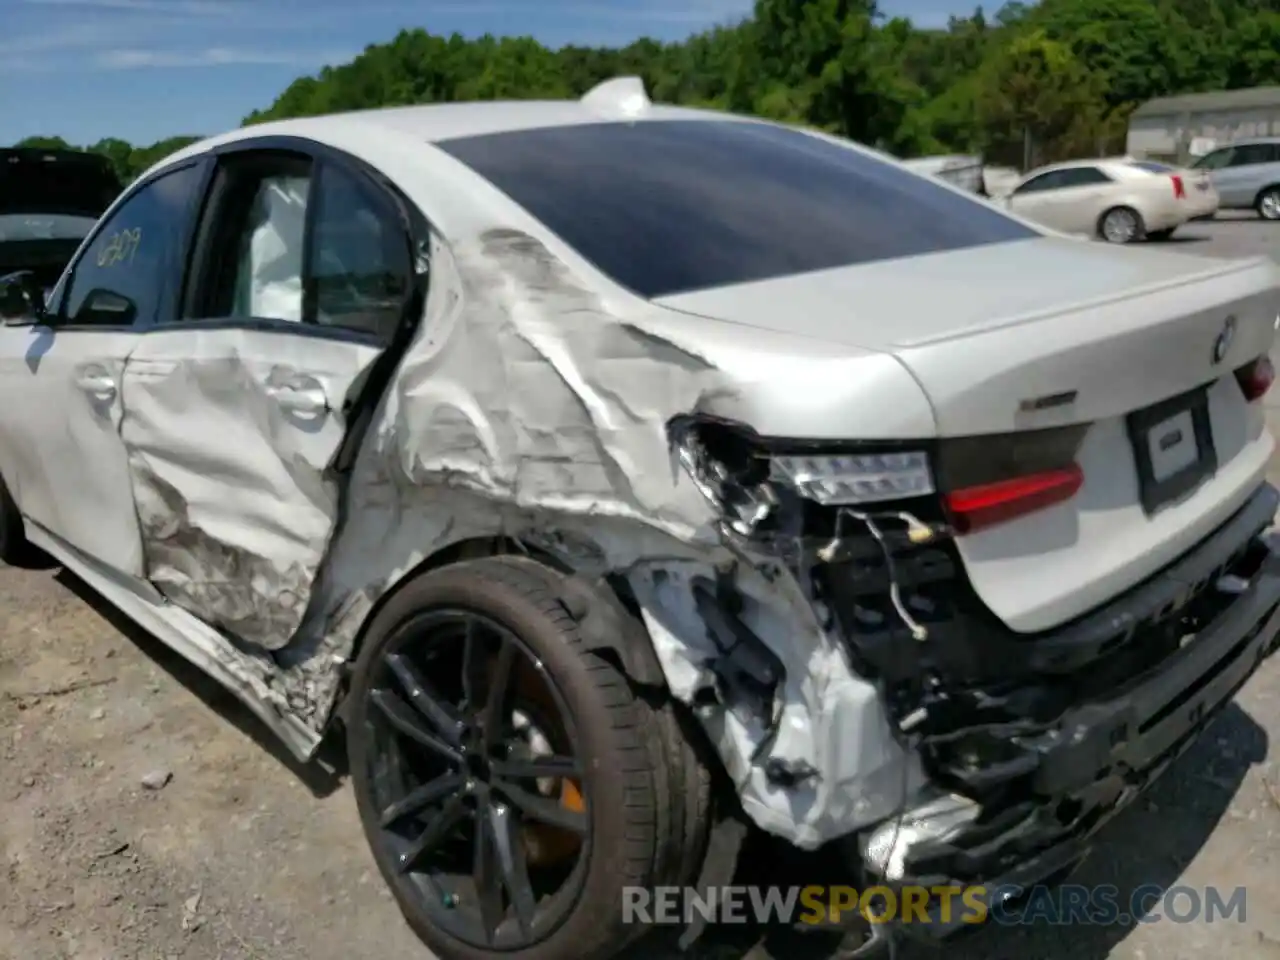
(612, 474)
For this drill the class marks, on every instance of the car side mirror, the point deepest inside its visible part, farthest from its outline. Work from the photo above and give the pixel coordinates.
(21, 299)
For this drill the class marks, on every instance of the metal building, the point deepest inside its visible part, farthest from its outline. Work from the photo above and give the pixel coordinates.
(1177, 128)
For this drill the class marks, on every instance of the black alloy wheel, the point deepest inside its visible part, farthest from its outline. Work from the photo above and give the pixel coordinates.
(473, 768)
(514, 785)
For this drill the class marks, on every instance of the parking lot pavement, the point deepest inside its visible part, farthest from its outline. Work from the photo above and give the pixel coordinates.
(1230, 235)
(144, 814)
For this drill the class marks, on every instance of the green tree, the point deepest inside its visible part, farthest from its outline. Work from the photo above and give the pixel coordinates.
(44, 143)
(1036, 93)
(1138, 49)
(1070, 71)
(120, 154)
(1255, 51)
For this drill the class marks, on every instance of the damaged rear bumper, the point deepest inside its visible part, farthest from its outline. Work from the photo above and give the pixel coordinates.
(1044, 799)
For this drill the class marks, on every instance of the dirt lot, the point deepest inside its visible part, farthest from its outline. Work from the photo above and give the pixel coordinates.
(144, 814)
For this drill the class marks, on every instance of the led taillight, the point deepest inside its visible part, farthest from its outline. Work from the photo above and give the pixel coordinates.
(1179, 191)
(978, 507)
(1255, 378)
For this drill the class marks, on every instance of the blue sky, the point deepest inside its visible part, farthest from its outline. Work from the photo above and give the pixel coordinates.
(147, 69)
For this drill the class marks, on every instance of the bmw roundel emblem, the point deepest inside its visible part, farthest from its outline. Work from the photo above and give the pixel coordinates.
(1223, 343)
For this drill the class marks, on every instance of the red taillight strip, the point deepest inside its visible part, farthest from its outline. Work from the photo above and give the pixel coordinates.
(975, 508)
(1178, 190)
(1255, 378)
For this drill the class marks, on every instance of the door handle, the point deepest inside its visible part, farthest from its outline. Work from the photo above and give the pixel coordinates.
(97, 385)
(300, 397)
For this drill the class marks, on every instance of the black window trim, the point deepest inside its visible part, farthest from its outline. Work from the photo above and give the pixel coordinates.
(174, 260)
(409, 218)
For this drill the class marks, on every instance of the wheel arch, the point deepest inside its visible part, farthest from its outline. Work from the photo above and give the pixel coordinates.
(603, 607)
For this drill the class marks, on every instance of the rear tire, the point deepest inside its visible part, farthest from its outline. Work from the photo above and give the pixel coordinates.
(643, 792)
(1268, 203)
(1121, 225)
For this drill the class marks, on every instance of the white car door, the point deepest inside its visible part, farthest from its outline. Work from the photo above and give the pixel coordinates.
(1084, 194)
(303, 277)
(61, 379)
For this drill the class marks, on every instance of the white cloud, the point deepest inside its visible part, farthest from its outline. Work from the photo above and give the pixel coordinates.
(13, 64)
(57, 39)
(126, 59)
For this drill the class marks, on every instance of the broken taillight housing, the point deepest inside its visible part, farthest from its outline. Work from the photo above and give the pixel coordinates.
(747, 477)
(1255, 378)
(851, 479)
(983, 480)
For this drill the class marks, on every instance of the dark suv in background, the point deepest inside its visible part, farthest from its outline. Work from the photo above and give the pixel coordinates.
(49, 201)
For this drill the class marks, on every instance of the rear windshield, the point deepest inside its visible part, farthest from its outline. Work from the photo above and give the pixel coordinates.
(1151, 166)
(666, 207)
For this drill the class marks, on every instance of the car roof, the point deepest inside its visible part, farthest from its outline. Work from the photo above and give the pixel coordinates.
(1102, 163)
(447, 121)
(1072, 165)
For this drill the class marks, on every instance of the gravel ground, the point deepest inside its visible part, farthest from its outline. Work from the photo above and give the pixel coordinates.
(144, 814)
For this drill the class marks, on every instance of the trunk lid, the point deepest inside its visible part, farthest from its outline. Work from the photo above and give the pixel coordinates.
(1045, 333)
(985, 328)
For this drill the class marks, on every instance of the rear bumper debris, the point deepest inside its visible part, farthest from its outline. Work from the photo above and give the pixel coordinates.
(1027, 813)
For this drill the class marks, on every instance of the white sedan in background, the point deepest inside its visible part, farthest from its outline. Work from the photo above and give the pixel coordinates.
(1115, 200)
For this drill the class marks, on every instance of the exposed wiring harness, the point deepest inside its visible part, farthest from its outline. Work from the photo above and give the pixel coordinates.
(917, 532)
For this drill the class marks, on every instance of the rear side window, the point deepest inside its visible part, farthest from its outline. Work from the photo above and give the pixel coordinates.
(666, 207)
(1151, 166)
(297, 242)
(360, 264)
(1249, 154)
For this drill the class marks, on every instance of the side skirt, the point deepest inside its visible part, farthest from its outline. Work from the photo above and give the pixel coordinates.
(184, 634)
